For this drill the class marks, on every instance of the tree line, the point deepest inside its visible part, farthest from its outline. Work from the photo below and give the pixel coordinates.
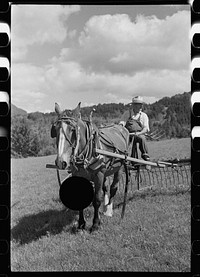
(30, 133)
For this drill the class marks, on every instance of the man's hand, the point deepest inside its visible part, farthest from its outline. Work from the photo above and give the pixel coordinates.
(133, 134)
(142, 132)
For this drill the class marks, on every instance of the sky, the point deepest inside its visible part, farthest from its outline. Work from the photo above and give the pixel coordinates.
(97, 54)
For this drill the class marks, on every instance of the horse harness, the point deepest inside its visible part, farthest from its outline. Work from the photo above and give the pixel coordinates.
(87, 158)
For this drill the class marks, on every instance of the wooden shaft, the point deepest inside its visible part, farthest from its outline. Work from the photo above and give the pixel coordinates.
(167, 163)
(115, 155)
(51, 166)
(138, 161)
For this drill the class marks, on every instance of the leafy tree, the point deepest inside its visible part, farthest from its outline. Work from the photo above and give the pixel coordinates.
(23, 140)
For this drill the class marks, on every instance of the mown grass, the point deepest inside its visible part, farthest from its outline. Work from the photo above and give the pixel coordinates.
(170, 149)
(153, 236)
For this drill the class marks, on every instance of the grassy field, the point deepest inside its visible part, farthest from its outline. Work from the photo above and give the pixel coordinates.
(170, 149)
(153, 236)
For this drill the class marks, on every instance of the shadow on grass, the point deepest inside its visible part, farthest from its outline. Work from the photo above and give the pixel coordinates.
(32, 227)
(142, 194)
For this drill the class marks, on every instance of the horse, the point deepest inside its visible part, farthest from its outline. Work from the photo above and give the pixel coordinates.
(76, 141)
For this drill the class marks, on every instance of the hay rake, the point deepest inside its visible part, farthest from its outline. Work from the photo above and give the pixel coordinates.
(145, 177)
(169, 178)
(159, 180)
(135, 169)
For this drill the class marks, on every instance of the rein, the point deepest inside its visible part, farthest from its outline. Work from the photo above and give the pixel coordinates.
(85, 155)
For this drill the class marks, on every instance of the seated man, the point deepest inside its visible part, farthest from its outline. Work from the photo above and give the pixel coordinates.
(137, 123)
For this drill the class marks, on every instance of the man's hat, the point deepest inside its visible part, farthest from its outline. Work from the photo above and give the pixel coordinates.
(137, 100)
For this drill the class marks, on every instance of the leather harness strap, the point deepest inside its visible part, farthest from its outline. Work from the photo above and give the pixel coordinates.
(94, 139)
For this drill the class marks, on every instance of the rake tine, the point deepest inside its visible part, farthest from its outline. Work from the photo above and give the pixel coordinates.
(161, 134)
(147, 135)
(154, 132)
(151, 138)
(158, 133)
(160, 137)
(156, 138)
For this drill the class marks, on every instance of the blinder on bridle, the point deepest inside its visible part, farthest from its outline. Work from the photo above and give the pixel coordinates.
(53, 131)
(70, 121)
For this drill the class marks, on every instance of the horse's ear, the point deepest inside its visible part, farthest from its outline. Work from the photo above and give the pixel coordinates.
(77, 110)
(57, 109)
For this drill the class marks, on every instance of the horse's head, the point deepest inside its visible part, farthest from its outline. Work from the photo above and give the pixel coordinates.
(65, 129)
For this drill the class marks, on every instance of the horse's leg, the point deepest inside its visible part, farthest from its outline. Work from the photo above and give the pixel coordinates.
(105, 193)
(98, 181)
(81, 220)
(113, 190)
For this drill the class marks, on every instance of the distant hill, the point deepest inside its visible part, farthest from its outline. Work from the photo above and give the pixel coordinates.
(169, 115)
(17, 111)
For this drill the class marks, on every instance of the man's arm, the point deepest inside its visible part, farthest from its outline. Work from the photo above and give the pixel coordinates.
(142, 132)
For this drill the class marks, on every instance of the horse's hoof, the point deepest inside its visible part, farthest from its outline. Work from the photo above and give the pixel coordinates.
(108, 211)
(108, 214)
(81, 226)
(95, 227)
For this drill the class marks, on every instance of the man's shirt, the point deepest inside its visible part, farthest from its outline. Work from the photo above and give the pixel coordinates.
(141, 117)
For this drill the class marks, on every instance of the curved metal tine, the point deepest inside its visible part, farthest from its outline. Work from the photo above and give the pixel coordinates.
(160, 134)
(147, 135)
(151, 137)
(154, 132)
(157, 136)
(157, 133)
(160, 137)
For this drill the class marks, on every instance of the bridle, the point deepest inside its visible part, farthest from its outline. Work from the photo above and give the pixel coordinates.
(82, 158)
(68, 120)
(72, 122)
